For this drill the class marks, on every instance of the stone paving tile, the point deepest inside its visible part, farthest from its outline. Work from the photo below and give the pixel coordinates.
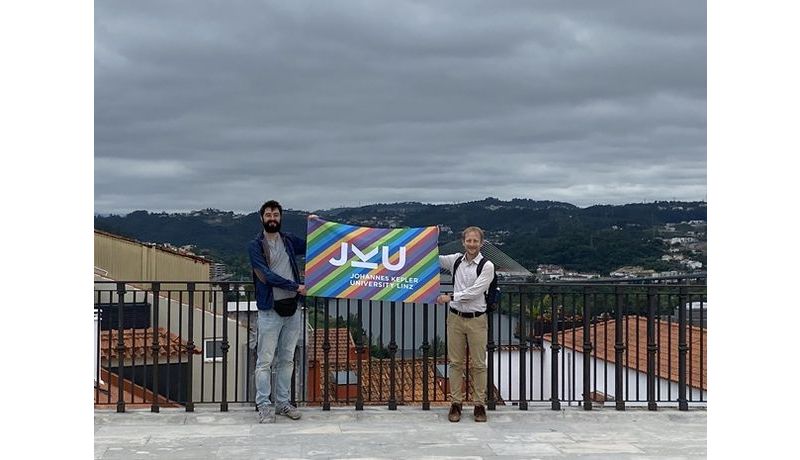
(674, 448)
(446, 457)
(139, 418)
(599, 448)
(396, 449)
(549, 437)
(183, 452)
(405, 433)
(170, 431)
(524, 449)
(256, 452)
(618, 456)
(631, 435)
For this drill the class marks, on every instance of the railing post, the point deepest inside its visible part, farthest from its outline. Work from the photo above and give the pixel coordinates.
(223, 406)
(491, 397)
(120, 347)
(96, 340)
(683, 347)
(392, 362)
(619, 348)
(156, 287)
(326, 349)
(360, 348)
(523, 348)
(555, 403)
(190, 349)
(426, 403)
(587, 353)
(651, 349)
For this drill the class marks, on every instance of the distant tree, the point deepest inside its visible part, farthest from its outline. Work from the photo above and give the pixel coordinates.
(539, 232)
(377, 350)
(437, 348)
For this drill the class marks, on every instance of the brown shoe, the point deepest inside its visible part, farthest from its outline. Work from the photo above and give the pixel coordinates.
(480, 413)
(455, 412)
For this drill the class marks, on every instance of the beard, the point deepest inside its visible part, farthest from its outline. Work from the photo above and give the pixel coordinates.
(272, 226)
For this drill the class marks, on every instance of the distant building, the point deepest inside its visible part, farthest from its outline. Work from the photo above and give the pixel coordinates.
(218, 272)
(549, 272)
(576, 276)
(692, 264)
(127, 259)
(632, 272)
(505, 266)
(682, 240)
(602, 361)
(117, 258)
(696, 314)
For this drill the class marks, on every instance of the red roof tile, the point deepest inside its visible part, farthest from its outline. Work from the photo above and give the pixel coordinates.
(341, 343)
(376, 372)
(139, 342)
(666, 338)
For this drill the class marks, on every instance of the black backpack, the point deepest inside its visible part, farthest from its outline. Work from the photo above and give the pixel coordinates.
(492, 295)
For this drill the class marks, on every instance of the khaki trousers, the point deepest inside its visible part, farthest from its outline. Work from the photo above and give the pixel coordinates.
(460, 333)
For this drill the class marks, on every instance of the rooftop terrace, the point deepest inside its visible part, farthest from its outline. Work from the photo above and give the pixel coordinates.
(409, 432)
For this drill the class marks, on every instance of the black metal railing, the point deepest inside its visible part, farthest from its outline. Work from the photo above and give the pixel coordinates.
(584, 344)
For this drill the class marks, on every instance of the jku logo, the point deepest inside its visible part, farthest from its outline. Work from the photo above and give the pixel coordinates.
(363, 262)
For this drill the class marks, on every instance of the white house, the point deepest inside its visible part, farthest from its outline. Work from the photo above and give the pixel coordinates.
(570, 369)
(208, 323)
(682, 240)
(692, 264)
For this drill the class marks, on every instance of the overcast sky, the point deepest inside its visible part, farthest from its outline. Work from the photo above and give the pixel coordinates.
(347, 103)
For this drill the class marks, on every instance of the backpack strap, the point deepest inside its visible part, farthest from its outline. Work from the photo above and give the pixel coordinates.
(455, 267)
(458, 262)
(481, 264)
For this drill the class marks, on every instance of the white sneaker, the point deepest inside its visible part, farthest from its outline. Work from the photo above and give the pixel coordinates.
(290, 411)
(266, 414)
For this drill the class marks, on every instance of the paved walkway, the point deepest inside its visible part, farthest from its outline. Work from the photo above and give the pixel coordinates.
(408, 432)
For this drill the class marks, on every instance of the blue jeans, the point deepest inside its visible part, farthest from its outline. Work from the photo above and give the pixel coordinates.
(277, 338)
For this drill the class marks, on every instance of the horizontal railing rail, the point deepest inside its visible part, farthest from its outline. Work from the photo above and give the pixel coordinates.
(184, 343)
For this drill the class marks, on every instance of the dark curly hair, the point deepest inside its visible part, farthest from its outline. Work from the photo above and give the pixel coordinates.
(271, 204)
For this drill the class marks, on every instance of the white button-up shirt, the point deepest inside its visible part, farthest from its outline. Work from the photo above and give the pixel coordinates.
(468, 287)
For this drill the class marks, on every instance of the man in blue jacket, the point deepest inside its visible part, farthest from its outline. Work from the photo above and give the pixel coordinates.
(278, 293)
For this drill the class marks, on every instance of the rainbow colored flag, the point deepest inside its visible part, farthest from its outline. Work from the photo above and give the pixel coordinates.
(349, 262)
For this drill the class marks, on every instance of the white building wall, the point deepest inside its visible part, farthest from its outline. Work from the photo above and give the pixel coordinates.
(173, 315)
(507, 364)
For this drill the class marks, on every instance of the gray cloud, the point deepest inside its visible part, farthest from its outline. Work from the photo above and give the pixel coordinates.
(322, 104)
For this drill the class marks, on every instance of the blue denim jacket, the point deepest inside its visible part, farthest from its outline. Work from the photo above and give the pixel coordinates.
(294, 246)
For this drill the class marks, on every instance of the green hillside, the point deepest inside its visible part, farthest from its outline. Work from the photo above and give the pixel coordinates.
(594, 239)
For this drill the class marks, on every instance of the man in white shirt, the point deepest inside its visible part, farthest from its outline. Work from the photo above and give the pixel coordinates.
(466, 321)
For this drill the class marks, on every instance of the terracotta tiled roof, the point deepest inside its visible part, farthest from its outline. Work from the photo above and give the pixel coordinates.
(376, 372)
(666, 338)
(340, 341)
(375, 383)
(139, 342)
(408, 380)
